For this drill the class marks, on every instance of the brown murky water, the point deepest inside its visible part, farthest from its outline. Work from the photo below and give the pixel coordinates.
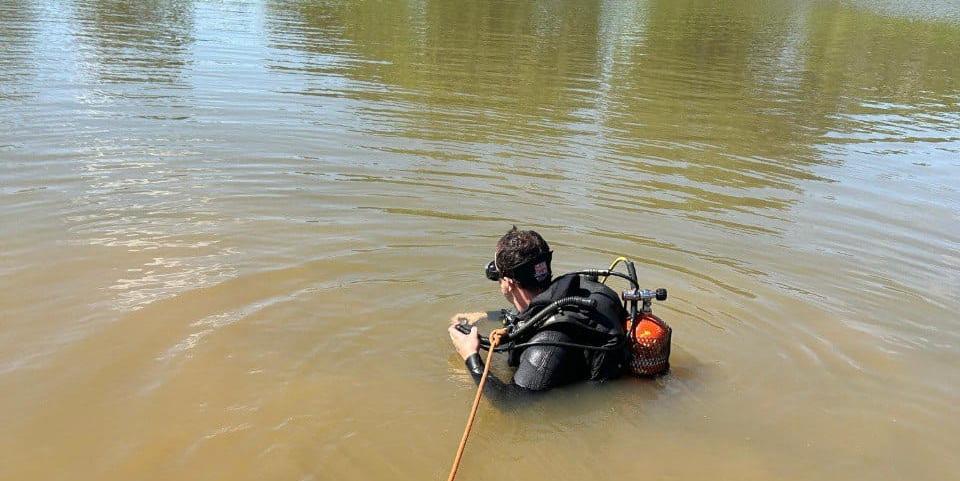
(231, 234)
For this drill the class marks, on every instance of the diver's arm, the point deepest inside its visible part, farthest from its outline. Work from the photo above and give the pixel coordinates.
(547, 366)
(541, 368)
(468, 346)
(502, 395)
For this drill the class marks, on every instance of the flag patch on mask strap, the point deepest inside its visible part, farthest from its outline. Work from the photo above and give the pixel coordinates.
(541, 271)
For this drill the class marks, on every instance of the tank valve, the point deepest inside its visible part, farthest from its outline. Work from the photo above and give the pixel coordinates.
(644, 295)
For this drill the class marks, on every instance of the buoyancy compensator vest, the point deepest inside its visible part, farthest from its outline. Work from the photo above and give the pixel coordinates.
(597, 329)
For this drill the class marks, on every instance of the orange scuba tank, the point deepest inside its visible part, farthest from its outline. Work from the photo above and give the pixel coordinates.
(648, 344)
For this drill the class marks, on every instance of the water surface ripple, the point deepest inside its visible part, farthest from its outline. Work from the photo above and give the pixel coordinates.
(231, 233)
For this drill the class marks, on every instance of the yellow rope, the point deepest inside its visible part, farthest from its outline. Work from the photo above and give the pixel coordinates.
(494, 342)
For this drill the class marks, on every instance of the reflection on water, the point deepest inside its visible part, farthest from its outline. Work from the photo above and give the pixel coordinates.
(143, 42)
(740, 102)
(232, 232)
(16, 37)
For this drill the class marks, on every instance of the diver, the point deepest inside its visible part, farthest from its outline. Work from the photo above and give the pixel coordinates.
(578, 343)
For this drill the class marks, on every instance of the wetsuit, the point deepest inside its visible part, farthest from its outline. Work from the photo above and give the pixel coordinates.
(540, 368)
(544, 367)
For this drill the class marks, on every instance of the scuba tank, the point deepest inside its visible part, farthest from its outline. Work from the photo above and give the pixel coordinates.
(648, 336)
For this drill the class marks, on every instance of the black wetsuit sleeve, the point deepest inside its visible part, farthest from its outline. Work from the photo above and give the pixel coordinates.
(546, 367)
(540, 368)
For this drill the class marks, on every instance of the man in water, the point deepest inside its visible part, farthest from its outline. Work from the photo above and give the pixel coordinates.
(571, 346)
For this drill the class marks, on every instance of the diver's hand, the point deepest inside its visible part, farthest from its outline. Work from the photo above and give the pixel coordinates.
(470, 318)
(466, 344)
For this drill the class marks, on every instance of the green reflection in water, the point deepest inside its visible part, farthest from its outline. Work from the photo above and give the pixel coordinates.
(16, 39)
(712, 108)
(140, 42)
(511, 60)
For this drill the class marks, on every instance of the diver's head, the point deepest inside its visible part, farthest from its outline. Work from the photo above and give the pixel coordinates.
(522, 265)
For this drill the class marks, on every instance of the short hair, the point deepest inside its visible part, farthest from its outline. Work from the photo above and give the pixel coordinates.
(522, 248)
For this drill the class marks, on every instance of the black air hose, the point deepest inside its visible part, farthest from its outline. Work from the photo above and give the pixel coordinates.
(546, 312)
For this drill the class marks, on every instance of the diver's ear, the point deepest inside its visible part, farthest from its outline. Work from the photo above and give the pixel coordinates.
(510, 282)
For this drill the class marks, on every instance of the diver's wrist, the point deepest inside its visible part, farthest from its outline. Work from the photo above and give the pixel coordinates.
(474, 363)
